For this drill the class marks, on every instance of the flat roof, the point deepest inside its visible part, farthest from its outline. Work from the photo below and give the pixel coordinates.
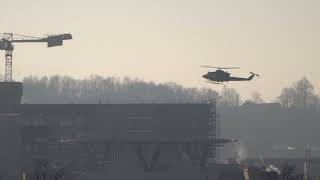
(99, 108)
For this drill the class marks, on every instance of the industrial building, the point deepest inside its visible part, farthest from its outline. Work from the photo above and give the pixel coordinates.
(116, 141)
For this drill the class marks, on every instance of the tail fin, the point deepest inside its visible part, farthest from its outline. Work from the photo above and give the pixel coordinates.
(251, 77)
(253, 74)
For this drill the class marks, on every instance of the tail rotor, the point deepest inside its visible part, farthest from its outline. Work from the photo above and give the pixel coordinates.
(255, 74)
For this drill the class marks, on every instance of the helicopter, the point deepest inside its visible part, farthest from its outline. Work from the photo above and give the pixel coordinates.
(219, 76)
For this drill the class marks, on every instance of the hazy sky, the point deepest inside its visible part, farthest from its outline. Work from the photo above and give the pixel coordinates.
(167, 40)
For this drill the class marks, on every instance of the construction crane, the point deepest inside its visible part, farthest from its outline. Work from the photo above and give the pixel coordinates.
(8, 39)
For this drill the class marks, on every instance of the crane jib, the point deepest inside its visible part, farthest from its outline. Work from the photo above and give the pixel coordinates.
(8, 39)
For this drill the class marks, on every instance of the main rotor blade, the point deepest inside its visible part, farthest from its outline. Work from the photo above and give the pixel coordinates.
(215, 67)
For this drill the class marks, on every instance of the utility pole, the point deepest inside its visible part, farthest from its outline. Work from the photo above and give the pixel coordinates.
(306, 163)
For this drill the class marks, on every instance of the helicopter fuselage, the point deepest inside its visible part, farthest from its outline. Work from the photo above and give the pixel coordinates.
(223, 76)
(218, 76)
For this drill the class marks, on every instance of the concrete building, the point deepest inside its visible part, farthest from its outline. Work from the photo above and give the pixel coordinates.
(115, 141)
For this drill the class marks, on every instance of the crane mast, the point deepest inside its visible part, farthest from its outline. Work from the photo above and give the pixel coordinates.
(8, 57)
(7, 40)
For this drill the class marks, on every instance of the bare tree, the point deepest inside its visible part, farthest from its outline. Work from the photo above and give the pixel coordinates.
(229, 97)
(304, 92)
(257, 97)
(299, 95)
(287, 97)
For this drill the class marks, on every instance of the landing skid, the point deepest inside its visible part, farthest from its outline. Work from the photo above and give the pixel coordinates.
(213, 82)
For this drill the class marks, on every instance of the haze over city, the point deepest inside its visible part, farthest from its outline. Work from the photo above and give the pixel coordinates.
(168, 40)
(160, 90)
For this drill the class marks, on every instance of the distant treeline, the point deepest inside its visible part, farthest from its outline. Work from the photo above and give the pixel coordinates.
(98, 89)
